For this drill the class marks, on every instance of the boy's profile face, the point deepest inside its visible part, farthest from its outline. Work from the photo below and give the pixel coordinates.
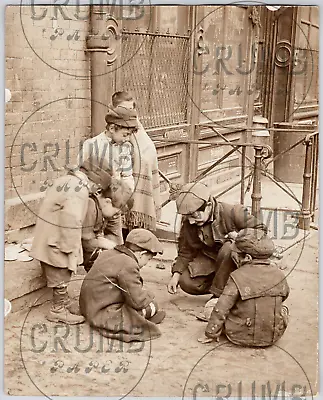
(119, 134)
(143, 258)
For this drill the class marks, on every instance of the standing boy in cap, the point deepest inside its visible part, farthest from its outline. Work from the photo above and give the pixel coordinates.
(250, 310)
(146, 209)
(57, 238)
(110, 151)
(112, 297)
(204, 262)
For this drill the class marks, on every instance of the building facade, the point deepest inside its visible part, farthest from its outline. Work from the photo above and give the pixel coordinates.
(198, 73)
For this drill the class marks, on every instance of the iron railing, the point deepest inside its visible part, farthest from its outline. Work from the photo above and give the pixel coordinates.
(257, 168)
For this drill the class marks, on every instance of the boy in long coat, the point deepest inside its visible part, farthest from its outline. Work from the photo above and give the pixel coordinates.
(112, 297)
(204, 262)
(57, 242)
(250, 311)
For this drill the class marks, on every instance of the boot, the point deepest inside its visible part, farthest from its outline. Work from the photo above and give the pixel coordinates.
(59, 311)
(72, 306)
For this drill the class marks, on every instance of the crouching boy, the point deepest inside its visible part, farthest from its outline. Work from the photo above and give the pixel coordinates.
(250, 310)
(102, 207)
(112, 297)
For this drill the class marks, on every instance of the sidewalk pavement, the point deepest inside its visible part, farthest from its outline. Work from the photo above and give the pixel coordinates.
(46, 358)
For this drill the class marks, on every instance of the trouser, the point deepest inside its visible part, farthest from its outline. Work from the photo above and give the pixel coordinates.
(56, 276)
(214, 282)
(89, 257)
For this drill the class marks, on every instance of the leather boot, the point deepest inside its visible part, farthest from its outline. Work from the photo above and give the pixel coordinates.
(59, 311)
(73, 306)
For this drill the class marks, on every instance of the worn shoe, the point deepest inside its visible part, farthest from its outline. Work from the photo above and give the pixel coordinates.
(158, 317)
(64, 316)
(73, 307)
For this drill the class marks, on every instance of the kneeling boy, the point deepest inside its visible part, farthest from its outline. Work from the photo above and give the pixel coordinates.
(112, 297)
(250, 310)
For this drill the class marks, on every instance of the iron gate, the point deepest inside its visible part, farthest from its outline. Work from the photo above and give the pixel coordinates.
(157, 76)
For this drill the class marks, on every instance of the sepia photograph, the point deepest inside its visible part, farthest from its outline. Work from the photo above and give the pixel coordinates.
(161, 215)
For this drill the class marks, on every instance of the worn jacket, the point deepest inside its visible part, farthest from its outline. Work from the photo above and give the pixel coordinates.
(58, 230)
(250, 307)
(112, 297)
(209, 238)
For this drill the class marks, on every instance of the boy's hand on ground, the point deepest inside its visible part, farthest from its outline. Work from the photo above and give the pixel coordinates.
(173, 283)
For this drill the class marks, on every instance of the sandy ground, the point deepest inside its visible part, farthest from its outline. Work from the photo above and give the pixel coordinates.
(43, 358)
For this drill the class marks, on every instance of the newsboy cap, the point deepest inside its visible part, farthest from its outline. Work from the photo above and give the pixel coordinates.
(192, 196)
(122, 116)
(254, 242)
(145, 240)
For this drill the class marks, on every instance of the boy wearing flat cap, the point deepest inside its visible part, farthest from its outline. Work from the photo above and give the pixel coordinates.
(111, 151)
(112, 297)
(204, 263)
(250, 310)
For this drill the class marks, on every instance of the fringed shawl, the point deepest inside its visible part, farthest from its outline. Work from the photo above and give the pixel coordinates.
(147, 201)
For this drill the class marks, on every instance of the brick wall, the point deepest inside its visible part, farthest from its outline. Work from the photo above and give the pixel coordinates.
(44, 116)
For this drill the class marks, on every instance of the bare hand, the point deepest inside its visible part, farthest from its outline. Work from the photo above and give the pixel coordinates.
(231, 235)
(173, 283)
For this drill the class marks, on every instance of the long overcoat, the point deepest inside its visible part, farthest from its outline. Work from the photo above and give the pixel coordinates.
(58, 228)
(112, 297)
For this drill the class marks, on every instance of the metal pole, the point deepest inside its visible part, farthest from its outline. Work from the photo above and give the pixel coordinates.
(243, 173)
(256, 191)
(315, 174)
(304, 220)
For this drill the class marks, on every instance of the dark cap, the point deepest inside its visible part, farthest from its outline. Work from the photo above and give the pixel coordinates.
(254, 242)
(192, 196)
(122, 116)
(145, 240)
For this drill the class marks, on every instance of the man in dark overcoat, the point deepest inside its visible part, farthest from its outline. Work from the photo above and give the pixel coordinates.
(203, 264)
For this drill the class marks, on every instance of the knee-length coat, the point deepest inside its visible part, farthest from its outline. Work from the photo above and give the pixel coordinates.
(58, 230)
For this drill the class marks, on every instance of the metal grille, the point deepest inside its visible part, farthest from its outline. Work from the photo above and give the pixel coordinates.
(157, 75)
